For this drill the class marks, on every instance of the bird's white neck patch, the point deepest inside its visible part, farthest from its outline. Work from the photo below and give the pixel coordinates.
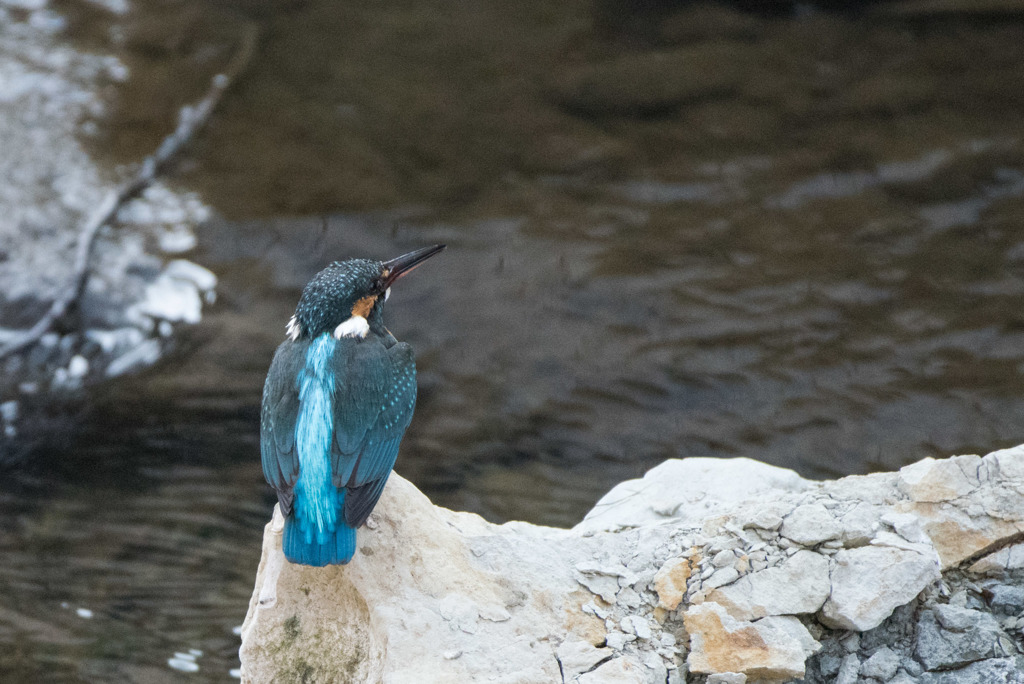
(356, 326)
(293, 329)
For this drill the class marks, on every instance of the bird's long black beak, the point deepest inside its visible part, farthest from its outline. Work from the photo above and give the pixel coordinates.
(400, 266)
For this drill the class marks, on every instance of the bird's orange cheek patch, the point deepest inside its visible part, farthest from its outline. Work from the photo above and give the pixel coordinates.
(364, 305)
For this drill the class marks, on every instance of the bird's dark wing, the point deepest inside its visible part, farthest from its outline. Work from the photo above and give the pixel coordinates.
(375, 394)
(277, 421)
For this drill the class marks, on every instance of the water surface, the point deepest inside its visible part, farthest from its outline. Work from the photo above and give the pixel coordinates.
(687, 232)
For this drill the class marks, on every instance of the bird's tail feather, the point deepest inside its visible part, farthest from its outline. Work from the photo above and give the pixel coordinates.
(335, 547)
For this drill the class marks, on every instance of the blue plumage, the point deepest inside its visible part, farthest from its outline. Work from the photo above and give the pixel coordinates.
(316, 533)
(337, 546)
(338, 398)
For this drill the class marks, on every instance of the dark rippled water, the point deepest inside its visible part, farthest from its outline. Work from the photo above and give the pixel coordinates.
(685, 232)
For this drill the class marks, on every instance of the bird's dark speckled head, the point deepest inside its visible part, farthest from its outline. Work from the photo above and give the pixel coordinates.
(353, 288)
(329, 298)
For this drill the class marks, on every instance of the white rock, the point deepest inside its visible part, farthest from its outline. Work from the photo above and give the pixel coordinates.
(177, 239)
(906, 525)
(849, 670)
(187, 271)
(1002, 561)
(931, 481)
(605, 586)
(797, 586)
(723, 558)
(175, 294)
(859, 524)
(679, 489)
(810, 524)
(628, 597)
(728, 677)
(869, 582)
(51, 95)
(763, 517)
(78, 366)
(637, 625)
(618, 640)
(593, 609)
(1006, 463)
(722, 577)
(884, 538)
(876, 489)
(577, 656)
(979, 502)
(356, 622)
(623, 670)
(171, 300)
(146, 354)
(434, 596)
(459, 611)
(493, 613)
(882, 664)
(119, 338)
(771, 648)
(657, 672)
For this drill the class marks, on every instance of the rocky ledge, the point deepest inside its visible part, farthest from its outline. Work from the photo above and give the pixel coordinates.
(705, 570)
(52, 105)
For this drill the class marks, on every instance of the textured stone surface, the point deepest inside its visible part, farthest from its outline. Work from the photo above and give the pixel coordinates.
(903, 678)
(931, 481)
(727, 678)
(670, 582)
(950, 637)
(798, 585)
(624, 670)
(882, 665)
(999, 563)
(870, 581)
(967, 505)
(849, 670)
(686, 490)
(1008, 599)
(707, 583)
(772, 648)
(995, 671)
(454, 607)
(810, 524)
(577, 657)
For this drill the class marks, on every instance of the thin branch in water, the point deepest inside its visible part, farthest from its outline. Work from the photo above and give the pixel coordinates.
(190, 119)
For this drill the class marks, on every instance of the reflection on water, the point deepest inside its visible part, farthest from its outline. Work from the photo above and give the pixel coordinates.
(125, 550)
(702, 232)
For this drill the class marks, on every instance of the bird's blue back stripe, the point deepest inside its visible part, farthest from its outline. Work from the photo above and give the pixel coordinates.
(316, 498)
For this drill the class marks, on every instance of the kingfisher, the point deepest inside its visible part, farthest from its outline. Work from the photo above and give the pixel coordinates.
(338, 397)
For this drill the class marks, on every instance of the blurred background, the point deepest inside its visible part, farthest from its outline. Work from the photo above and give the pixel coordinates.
(787, 231)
